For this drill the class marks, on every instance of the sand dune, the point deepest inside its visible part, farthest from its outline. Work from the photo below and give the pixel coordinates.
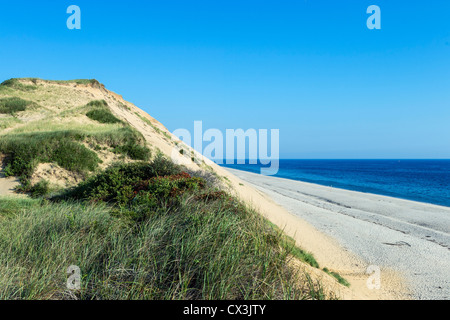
(409, 237)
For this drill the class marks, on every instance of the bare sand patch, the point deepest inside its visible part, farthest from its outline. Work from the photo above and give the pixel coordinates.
(7, 185)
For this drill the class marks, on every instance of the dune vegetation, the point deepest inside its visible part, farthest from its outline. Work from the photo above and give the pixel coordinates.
(145, 230)
(138, 226)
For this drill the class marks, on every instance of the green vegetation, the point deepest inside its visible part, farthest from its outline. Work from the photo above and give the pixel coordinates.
(15, 84)
(77, 81)
(144, 231)
(101, 113)
(8, 122)
(13, 105)
(26, 150)
(133, 151)
(97, 104)
(46, 142)
(82, 81)
(42, 188)
(289, 244)
(338, 277)
(103, 116)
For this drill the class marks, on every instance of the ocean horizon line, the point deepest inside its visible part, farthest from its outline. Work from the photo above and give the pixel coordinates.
(421, 180)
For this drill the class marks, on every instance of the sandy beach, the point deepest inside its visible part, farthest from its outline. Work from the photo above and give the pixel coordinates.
(408, 239)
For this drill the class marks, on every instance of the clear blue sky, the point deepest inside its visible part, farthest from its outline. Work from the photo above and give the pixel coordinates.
(312, 69)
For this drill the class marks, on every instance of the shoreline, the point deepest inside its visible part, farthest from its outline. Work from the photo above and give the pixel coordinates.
(351, 187)
(410, 239)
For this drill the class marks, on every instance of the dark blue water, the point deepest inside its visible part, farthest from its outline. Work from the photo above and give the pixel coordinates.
(418, 180)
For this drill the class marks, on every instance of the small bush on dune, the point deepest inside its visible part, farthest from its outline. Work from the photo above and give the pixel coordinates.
(119, 180)
(15, 84)
(13, 105)
(101, 113)
(102, 116)
(75, 157)
(26, 151)
(164, 167)
(97, 103)
(135, 152)
(42, 188)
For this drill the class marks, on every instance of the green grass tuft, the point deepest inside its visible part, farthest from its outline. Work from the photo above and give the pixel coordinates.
(134, 152)
(13, 105)
(42, 188)
(102, 116)
(97, 103)
(153, 232)
(15, 84)
(26, 151)
(289, 244)
(338, 277)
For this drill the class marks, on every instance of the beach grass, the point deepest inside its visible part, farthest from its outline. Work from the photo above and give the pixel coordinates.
(9, 122)
(13, 105)
(27, 147)
(338, 277)
(192, 242)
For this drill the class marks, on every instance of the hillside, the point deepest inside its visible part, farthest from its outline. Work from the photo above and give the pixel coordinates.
(62, 141)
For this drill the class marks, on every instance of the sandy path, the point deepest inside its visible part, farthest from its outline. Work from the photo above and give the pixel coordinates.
(7, 185)
(409, 237)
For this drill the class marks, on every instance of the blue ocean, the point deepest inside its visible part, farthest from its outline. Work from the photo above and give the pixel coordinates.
(419, 180)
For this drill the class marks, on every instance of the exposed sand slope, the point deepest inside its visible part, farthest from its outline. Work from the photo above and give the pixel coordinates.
(410, 237)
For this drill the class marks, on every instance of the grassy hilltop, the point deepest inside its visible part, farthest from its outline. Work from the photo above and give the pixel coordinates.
(96, 189)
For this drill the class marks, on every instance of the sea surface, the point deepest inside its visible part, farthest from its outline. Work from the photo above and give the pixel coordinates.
(418, 180)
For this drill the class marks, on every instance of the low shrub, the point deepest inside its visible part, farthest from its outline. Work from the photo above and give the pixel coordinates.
(133, 151)
(13, 105)
(26, 151)
(42, 188)
(119, 182)
(15, 84)
(97, 103)
(102, 116)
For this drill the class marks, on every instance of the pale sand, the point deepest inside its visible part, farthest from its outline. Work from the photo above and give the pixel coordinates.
(411, 239)
(7, 185)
